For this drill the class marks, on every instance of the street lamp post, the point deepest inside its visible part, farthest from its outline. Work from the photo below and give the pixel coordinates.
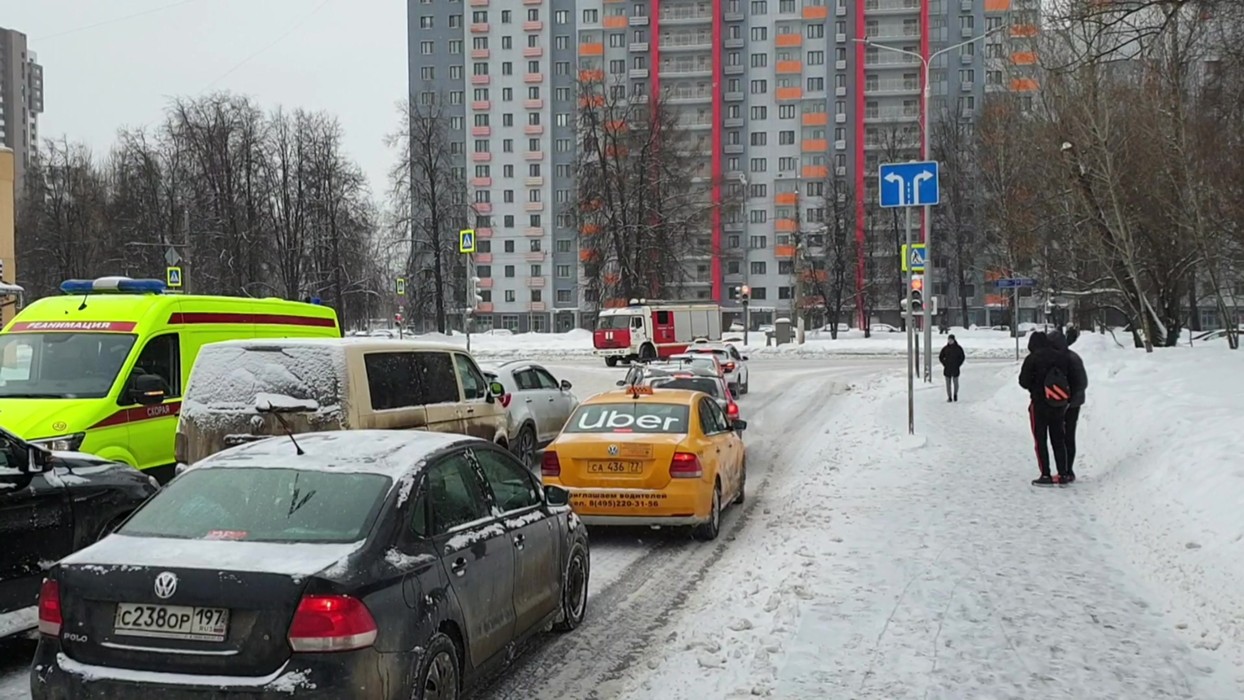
(926, 92)
(746, 243)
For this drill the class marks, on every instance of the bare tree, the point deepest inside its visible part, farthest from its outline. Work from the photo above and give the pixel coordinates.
(952, 142)
(641, 199)
(428, 199)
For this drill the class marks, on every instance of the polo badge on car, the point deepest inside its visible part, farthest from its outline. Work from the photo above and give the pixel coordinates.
(613, 450)
(166, 585)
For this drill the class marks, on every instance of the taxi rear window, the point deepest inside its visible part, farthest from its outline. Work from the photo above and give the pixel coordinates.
(629, 417)
(708, 386)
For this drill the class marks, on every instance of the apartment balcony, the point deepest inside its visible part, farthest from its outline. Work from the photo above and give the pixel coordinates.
(733, 42)
(686, 42)
(815, 145)
(638, 20)
(686, 71)
(788, 41)
(895, 33)
(533, 207)
(533, 78)
(533, 104)
(533, 155)
(688, 96)
(479, 28)
(888, 60)
(484, 259)
(735, 69)
(815, 13)
(534, 256)
(481, 182)
(480, 53)
(483, 233)
(533, 129)
(532, 2)
(637, 74)
(481, 131)
(591, 49)
(784, 67)
(480, 79)
(535, 283)
(892, 86)
(696, 124)
(680, 17)
(891, 7)
(891, 114)
(534, 182)
(481, 157)
(614, 21)
(786, 198)
(533, 232)
(638, 47)
(537, 306)
(815, 119)
(815, 172)
(533, 26)
(484, 307)
(533, 51)
(481, 105)
(479, 3)
(483, 207)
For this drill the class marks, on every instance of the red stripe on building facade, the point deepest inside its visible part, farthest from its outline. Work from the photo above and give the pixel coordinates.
(861, 225)
(717, 172)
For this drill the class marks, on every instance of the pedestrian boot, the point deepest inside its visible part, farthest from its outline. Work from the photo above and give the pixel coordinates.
(1044, 480)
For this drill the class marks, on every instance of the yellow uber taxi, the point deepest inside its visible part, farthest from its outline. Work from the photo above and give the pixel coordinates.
(637, 457)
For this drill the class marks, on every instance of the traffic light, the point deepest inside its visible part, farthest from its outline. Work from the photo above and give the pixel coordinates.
(745, 293)
(397, 318)
(917, 294)
(734, 292)
(475, 298)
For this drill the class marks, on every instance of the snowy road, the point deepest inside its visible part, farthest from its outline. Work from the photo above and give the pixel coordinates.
(865, 565)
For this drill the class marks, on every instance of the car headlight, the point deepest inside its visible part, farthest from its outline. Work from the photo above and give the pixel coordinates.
(64, 443)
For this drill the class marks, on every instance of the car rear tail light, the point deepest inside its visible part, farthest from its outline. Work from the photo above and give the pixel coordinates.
(729, 366)
(732, 410)
(506, 399)
(325, 623)
(49, 608)
(685, 465)
(550, 465)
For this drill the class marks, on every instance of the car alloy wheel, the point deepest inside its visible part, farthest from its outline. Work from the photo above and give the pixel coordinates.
(526, 445)
(439, 680)
(708, 531)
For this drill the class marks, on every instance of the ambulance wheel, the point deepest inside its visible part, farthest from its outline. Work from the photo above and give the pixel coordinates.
(647, 353)
(611, 362)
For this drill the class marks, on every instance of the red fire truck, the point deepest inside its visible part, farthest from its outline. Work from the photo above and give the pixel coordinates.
(647, 329)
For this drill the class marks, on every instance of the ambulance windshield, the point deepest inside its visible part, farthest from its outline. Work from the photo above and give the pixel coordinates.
(61, 365)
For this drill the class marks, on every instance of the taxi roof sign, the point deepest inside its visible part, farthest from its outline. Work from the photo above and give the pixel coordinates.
(638, 390)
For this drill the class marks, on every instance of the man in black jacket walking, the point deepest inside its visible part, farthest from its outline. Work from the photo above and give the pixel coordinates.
(1043, 370)
(1079, 382)
(951, 358)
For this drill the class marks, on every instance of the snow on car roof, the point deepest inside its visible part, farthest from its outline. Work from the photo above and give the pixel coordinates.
(391, 453)
(666, 396)
(357, 342)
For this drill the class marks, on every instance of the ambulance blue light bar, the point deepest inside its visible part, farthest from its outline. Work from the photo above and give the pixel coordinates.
(114, 285)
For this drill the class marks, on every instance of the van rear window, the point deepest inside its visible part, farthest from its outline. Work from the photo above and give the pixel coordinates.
(631, 417)
(230, 377)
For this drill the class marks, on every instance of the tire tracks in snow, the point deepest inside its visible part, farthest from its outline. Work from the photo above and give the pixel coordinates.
(628, 619)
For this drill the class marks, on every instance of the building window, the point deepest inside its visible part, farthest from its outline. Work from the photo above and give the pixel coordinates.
(427, 48)
(510, 296)
(786, 138)
(425, 22)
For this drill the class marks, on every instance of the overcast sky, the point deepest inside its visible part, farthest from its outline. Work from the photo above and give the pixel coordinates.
(114, 63)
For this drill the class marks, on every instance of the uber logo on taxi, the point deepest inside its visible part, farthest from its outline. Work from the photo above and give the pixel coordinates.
(616, 420)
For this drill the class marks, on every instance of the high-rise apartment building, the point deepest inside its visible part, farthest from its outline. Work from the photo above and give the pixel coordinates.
(21, 98)
(780, 94)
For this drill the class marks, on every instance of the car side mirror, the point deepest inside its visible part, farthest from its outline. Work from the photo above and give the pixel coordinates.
(738, 426)
(556, 495)
(147, 390)
(745, 358)
(496, 389)
(566, 385)
(621, 382)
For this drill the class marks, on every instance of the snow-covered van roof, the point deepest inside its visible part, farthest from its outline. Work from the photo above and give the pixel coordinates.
(391, 453)
(364, 343)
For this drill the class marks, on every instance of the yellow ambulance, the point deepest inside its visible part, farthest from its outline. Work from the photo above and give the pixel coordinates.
(102, 368)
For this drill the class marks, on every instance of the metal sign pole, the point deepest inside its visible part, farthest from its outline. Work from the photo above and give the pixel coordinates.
(1015, 320)
(747, 322)
(911, 359)
(466, 303)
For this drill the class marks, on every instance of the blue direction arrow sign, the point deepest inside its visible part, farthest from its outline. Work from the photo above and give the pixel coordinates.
(1015, 282)
(912, 184)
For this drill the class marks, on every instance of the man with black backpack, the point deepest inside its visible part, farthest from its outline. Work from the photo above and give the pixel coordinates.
(1046, 374)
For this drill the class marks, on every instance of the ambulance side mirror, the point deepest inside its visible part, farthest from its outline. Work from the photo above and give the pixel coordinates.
(147, 390)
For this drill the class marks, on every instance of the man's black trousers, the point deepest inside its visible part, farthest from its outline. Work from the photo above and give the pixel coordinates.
(1049, 423)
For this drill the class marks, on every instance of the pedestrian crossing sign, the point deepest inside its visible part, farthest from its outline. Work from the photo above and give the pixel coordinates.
(915, 258)
(466, 241)
(173, 277)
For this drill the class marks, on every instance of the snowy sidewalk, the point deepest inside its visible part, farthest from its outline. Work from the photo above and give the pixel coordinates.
(897, 568)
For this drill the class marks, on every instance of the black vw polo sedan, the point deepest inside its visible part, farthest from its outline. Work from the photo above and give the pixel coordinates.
(355, 564)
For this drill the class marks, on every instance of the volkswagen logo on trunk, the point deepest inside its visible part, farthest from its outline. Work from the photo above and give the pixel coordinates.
(613, 450)
(166, 585)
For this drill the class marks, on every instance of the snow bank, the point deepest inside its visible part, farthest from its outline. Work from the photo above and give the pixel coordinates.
(1160, 451)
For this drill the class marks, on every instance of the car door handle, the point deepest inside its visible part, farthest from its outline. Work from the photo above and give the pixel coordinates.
(528, 400)
(459, 567)
(551, 399)
(519, 540)
(470, 409)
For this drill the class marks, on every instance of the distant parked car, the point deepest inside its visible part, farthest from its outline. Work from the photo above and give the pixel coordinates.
(536, 403)
(883, 328)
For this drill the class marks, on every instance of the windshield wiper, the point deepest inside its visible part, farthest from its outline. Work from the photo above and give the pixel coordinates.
(33, 396)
